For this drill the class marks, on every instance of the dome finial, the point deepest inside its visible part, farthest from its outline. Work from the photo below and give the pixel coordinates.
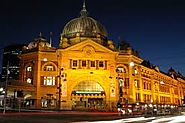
(84, 5)
(40, 34)
(84, 12)
(50, 39)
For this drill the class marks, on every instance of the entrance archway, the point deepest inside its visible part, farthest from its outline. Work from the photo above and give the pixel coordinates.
(88, 95)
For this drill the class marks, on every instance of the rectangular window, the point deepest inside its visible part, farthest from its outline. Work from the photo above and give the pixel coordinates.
(49, 80)
(126, 82)
(92, 63)
(137, 96)
(150, 86)
(74, 63)
(137, 83)
(100, 63)
(144, 85)
(120, 70)
(49, 68)
(83, 63)
(144, 97)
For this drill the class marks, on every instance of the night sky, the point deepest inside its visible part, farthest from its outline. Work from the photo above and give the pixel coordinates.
(156, 28)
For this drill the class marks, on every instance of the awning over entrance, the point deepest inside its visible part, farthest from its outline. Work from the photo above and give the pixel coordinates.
(88, 92)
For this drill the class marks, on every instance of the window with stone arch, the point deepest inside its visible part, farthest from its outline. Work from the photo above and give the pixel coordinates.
(88, 86)
(121, 69)
(122, 75)
(49, 67)
(136, 71)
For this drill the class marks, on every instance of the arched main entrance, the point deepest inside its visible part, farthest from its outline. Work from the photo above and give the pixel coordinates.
(88, 95)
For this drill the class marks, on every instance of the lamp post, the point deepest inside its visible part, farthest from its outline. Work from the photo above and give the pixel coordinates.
(146, 109)
(6, 83)
(120, 92)
(2, 92)
(59, 94)
(62, 78)
(59, 90)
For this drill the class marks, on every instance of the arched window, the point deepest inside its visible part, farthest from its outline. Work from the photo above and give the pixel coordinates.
(49, 67)
(136, 71)
(29, 68)
(88, 87)
(121, 69)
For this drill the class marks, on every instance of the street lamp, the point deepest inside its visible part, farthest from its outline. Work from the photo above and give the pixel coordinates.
(62, 78)
(6, 83)
(59, 94)
(1, 89)
(59, 89)
(146, 109)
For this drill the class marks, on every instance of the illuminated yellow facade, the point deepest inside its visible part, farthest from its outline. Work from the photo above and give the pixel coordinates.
(87, 72)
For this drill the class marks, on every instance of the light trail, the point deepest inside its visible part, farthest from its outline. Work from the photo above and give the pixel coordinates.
(173, 119)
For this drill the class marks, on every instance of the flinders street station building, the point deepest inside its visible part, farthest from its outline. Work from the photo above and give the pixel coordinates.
(88, 72)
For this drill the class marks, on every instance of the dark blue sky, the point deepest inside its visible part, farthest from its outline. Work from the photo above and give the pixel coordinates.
(156, 28)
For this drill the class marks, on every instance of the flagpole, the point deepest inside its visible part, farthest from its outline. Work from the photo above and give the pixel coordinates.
(50, 39)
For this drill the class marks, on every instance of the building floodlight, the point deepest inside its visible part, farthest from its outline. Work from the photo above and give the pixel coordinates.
(3, 92)
(131, 64)
(45, 59)
(1, 89)
(161, 82)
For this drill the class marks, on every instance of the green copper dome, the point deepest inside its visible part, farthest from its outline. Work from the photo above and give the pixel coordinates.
(84, 26)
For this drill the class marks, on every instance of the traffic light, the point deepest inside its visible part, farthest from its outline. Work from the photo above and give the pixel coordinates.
(183, 100)
(126, 100)
(118, 105)
(59, 87)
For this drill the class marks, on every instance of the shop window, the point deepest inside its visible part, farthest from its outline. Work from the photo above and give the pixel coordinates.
(20, 93)
(44, 103)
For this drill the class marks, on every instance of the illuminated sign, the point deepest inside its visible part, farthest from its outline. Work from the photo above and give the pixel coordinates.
(88, 92)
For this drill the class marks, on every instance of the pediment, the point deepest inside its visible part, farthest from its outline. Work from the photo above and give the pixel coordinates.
(89, 46)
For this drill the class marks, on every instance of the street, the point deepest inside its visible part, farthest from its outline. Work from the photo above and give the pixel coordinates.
(57, 117)
(84, 117)
(166, 119)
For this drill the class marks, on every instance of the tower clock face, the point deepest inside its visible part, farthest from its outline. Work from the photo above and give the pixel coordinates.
(88, 50)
